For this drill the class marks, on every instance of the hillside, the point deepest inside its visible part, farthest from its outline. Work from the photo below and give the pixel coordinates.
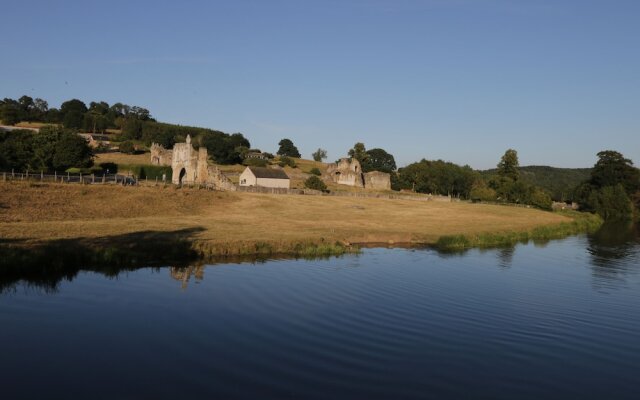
(559, 182)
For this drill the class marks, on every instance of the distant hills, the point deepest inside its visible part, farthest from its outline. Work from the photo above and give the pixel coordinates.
(559, 182)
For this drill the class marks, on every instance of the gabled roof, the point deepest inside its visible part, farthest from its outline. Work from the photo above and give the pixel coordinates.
(270, 173)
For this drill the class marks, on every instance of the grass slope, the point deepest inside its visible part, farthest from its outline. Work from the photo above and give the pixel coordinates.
(226, 223)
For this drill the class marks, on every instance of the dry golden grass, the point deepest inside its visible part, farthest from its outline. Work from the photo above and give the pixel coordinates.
(32, 125)
(36, 214)
(122, 158)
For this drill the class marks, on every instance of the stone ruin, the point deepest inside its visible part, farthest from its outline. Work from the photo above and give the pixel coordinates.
(348, 171)
(160, 155)
(190, 166)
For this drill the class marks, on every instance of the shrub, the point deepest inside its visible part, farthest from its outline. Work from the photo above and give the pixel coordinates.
(482, 193)
(315, 171)
(127, 147)
(287, 161)
(315, 183)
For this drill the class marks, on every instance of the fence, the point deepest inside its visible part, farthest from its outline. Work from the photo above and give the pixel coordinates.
(67, 177)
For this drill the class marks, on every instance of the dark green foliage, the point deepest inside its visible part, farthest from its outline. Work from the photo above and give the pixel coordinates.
(16, 149)
(319, 155)
(127, 147)
(109, 167)
(613, 169)
(9, 114)
(73, 113)
(223, 148)
(508, 165)
(378, 160)
(613, 183)
(437, 177)
(315, 183)
(287, 148)
(287, 161)
(359, 152)
(481, 192)
(151, 172)
(559, 182)
(71, 150)
(51, 148)
(315, 171)
(611, 203)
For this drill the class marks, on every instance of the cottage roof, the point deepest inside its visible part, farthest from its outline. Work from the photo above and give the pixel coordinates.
(270, 173)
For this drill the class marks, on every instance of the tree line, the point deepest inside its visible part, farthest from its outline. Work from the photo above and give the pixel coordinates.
(135, 123)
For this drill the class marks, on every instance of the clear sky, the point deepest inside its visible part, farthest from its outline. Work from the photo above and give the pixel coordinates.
(459, 80)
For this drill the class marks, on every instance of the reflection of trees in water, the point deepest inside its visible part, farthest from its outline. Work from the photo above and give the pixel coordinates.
(184, 274)
(614, 249)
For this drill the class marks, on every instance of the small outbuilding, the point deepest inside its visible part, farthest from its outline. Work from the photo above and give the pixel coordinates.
(265, 177)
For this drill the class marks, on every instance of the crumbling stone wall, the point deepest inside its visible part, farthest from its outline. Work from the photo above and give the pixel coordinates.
(160, 155)
(377, 180)
(190, 166)
(348, 171)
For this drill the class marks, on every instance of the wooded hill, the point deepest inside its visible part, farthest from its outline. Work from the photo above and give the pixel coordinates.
(559, 182)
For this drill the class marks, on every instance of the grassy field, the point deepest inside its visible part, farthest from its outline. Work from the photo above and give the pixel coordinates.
(122, 158)
(228, 223)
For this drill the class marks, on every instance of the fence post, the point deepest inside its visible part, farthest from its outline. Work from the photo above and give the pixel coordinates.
(104, 178)
(4, 176)
(41, 175)
(55, 176)
(80, 180)
(68, 176)
(12, 174)
(27, 174)
(93, 178)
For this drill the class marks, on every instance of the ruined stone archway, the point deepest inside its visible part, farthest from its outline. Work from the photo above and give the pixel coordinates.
(183, 172)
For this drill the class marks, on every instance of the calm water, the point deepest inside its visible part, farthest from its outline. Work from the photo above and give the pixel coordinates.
(560, 320)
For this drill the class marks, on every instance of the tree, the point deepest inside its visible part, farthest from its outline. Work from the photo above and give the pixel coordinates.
(72, 150)
(319, 155)
(315, 171)
(127, 147)
(359, 152)
(612, 169)
(73, 113)
(508, 165)
(287, 148)
(608, 192)
(315, 183)
(379, 160)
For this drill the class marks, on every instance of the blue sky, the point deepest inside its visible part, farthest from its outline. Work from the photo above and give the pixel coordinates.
(459, 80)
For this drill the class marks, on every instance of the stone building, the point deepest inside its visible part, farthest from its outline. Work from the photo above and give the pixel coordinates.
(348, 171)
(160, 155)
(190, 166)
(265, 177)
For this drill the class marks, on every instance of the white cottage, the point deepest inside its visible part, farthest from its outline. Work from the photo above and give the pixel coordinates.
(264, 177)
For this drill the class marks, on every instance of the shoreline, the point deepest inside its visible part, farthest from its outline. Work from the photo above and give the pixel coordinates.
(126, 225)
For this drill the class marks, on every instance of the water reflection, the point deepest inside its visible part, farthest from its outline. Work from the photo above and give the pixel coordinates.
(184, 274)
(614, 252)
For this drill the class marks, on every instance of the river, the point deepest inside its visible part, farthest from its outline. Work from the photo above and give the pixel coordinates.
(556, 320)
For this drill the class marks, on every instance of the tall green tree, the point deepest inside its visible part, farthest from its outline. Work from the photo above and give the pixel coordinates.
(379, 160)
(359, 152)
(287, 148)
(508, 165)
(612, 168)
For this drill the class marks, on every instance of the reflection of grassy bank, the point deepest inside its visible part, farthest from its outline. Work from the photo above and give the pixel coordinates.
(46, 264)
(581, 223)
